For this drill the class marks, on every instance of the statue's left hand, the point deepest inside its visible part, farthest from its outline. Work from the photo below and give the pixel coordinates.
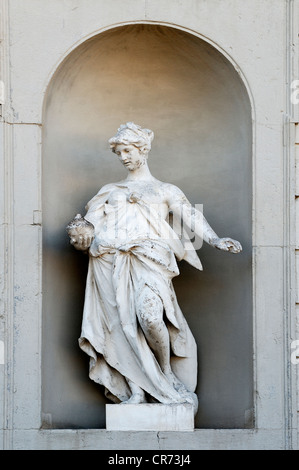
(226, 244)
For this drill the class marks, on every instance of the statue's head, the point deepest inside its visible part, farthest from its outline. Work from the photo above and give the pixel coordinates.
(132, 145)
(132, 134)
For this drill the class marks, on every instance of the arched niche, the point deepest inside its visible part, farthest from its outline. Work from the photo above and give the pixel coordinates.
(194, 100)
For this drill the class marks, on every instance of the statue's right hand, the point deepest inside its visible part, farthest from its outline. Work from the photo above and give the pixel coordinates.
(81, 242)
(81, 233)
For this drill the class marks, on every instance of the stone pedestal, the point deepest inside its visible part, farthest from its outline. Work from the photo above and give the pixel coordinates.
(150, 417)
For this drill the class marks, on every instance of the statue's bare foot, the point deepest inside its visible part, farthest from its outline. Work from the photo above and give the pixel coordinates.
(138, 395)
(192, 399)
(177, 385)
(135, 399)
(186, 395)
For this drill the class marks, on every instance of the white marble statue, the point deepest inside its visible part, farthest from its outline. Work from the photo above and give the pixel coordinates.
(140, 346)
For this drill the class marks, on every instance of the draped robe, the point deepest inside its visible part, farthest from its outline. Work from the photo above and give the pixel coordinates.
(134, 247)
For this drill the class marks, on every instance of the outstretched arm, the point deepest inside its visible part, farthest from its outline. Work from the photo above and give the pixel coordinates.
(195, 220)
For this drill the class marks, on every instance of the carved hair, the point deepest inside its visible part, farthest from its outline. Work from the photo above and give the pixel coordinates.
(132, 134)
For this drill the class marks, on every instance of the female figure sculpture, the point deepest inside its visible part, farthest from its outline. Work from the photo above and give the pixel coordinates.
(140, 346)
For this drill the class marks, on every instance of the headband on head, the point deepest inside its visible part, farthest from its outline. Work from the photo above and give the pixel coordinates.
(132, 134)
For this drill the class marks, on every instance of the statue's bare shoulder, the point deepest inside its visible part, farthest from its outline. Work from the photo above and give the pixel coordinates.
(173, 194)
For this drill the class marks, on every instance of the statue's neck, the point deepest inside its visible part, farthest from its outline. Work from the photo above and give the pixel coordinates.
(142, 173)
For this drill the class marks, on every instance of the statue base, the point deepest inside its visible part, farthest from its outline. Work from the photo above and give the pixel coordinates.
(150, 417)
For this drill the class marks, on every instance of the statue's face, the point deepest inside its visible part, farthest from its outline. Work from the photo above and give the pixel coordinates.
(130, 156)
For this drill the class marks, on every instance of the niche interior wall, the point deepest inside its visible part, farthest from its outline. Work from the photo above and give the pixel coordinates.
(193, 99)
